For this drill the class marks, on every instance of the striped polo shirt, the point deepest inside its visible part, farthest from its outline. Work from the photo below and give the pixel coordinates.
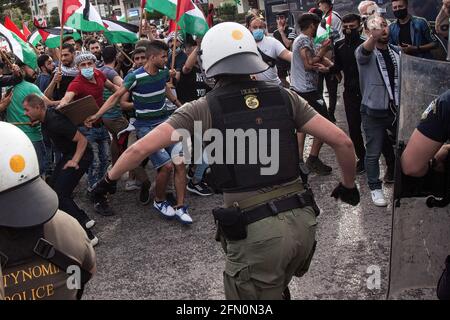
(149, 95)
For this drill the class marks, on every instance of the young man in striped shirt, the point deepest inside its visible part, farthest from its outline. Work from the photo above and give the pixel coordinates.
(148, 88)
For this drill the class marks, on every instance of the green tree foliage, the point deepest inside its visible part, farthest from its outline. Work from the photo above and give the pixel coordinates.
(54, 18)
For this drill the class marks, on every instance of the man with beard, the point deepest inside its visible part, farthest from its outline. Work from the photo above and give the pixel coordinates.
(96, 49)
(149, 89)
(270, 49)
(15, 112)
(46, 66)
(344, 52)
(378, 64)
(91, 81)
(61, 80)
(412, 34)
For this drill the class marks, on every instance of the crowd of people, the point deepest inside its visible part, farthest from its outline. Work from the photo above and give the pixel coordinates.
(137, 88)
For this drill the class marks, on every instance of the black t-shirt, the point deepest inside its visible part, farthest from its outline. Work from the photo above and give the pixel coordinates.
(180, 60)
(61, 131)
(192, 86)
(291, 35)
(58, 94)
(405, 33)
(390, 68)
(435, 122)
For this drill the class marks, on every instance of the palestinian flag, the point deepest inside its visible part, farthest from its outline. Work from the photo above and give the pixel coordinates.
(51, 37)
(191, 19)
(35, 38)
(19, 47)
(166, 7)
(12, 27)
(120, 32)
(324, 33)
(81, 15)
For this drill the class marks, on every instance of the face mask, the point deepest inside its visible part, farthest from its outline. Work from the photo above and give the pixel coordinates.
(401, 14)
(258, 34)
(177, 50)
(352, 36)
(88, 73)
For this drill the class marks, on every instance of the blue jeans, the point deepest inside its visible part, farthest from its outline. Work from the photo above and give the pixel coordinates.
(375, 131)
(163, 156)
(200, 170)
(99, 140)
(39, 146)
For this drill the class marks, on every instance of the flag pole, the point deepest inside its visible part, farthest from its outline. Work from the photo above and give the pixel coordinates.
(61, 34)
(174, 47)
(140, 19)
(124, 54)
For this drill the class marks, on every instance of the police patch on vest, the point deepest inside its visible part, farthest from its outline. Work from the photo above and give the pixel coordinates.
(431, 107)
(251, 101)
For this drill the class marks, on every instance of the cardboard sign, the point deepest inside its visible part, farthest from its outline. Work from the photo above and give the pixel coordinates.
(78, 111)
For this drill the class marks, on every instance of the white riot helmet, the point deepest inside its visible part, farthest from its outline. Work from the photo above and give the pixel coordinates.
(25, 199)
(229, 48)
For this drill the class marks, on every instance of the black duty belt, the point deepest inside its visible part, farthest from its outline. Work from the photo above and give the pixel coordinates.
(273, 208)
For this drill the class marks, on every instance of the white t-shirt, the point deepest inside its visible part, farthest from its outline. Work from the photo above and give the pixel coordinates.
(272, 48)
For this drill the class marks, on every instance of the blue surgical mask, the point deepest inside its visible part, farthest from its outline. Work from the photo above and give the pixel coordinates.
(258, 34)
(88, 73)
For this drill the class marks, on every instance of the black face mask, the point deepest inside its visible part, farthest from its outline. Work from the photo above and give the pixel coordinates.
(401, 14)
(352, 36)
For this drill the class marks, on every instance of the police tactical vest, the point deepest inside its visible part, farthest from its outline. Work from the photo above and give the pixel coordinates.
(27, 276)
(253, 107)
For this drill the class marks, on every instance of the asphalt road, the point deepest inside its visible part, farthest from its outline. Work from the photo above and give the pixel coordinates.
(142, 256)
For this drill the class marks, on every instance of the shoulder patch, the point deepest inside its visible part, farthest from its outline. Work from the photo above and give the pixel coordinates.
(431, 107)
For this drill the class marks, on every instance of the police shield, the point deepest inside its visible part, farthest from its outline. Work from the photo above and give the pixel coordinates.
(420, 239)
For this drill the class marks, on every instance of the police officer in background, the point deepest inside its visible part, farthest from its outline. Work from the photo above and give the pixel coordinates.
(426, 151)
(44, 252)
(268, 223)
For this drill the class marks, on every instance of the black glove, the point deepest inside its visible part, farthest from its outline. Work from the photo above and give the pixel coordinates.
(350, 196)
(104, 186)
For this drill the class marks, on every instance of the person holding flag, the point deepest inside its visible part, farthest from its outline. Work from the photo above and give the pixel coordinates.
(306, 66)
(331, 27)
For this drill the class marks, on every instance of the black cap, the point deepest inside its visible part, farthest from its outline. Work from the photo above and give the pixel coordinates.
(282, 13)
(330, 2)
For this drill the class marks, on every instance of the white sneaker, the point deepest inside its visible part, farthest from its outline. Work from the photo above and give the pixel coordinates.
(165, 209)
(378, 198)
(131, 185)
(183, 215)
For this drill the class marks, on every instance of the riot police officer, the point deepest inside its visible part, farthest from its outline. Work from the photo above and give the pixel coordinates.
(44, 253)
(268, 223)
(426, 150)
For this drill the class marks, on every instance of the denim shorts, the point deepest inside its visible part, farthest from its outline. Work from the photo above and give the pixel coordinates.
(163, 156)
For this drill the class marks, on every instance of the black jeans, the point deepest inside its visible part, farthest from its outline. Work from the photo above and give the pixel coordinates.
(64, 181)
(316, 101)
(332, 87)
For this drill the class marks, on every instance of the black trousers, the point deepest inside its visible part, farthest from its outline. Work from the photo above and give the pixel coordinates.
(332, 87)
(352, 103)
(64, 182)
